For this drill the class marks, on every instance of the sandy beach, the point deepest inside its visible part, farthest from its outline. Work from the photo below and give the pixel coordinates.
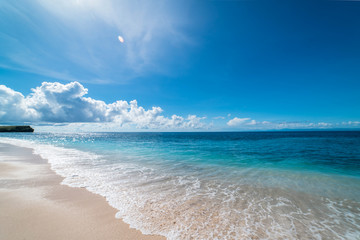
(34, 205)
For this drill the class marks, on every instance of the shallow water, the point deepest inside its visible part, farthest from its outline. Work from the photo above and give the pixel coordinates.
(272, 185)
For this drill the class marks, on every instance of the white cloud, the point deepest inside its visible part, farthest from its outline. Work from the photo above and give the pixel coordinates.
(300, 125)
(56, 102)
(252, 122)
(13, 106)
(237, 121)
(352, 123)
(68, 105)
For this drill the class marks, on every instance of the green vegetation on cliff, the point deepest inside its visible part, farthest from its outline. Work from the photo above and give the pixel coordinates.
(16, 129)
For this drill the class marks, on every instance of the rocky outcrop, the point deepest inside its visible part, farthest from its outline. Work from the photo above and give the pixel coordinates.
(16, 129)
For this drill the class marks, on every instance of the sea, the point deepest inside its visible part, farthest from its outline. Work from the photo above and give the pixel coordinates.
(216, 185)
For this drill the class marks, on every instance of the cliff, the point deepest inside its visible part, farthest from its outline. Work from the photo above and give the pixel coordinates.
(16, 129)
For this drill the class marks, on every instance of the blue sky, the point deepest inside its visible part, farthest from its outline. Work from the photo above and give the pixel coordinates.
(217, 65)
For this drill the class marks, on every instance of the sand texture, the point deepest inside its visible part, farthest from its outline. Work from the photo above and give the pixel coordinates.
(34, 205)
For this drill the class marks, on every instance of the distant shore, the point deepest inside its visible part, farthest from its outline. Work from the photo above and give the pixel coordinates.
(34, 205)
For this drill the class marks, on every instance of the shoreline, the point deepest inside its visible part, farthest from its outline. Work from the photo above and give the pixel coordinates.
(35, 205)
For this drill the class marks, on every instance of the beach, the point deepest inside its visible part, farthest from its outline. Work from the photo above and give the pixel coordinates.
(179, 120)
(280, 185)
(34, 205)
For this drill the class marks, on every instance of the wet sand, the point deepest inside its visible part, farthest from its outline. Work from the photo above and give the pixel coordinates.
(34, 205)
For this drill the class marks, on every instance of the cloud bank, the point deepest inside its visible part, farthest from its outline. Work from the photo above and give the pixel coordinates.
(252, 124)
(53, 106)
(66, 103)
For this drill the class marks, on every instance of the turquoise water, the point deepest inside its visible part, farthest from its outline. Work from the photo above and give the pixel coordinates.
(263, 185)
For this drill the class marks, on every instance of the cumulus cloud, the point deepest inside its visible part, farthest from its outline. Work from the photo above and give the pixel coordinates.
(55, 102)
(13, 106)
(67, 106)
(237, 121)
(252, 122)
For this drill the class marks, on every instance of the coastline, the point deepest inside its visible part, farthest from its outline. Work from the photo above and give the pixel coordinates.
(156, 186)
(34, 205)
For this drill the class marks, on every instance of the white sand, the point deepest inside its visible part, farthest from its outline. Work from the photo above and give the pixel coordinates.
(33, 204)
